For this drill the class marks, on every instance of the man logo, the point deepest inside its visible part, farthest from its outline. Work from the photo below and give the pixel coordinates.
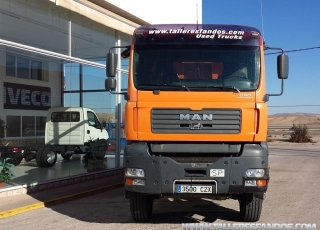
(196, 126)
(196, 117)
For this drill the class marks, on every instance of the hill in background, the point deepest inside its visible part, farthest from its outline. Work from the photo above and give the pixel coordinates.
(288, 119)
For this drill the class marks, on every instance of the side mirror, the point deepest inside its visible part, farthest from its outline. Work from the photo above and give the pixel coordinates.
(111, 65)
(104, 124)
(126, 53)
(283, 66)
(110, 83)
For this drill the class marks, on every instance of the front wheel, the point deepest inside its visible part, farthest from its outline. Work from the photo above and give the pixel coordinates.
(250, 207)
(141, 207)
(15, 159)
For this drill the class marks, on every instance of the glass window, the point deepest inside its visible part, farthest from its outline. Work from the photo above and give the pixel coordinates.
(13, 126)
(10, 65)
(40, 126)
(28, 126)
(71, 76)
(199, 68)
(92, 119)
(36, 70)
(65, 117)
(93, 77)
(23, 68)
(100, 102)
(71, 99)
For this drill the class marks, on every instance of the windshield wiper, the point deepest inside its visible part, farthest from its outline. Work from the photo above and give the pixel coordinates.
(218, 87)
(234, 89)
(166, 85)
(180, 86)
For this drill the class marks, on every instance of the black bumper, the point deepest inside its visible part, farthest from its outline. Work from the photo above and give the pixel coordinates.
(163, 174)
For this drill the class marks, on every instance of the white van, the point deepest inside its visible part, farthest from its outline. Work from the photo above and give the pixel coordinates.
(68, 130)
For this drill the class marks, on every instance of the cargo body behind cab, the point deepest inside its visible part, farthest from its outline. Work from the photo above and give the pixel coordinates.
(68, 131)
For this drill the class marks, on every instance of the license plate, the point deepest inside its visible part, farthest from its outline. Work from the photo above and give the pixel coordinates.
(194, 189)
(217, 173)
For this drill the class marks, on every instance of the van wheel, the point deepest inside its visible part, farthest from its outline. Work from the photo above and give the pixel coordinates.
(29, 156)
(250, 207)
(141, 207)
(15, 159)
(48, 157)
(38, 157)
(66, 156)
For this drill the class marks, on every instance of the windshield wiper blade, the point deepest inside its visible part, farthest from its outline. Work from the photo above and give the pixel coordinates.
(218, 87)
(180, 86)
(170, 85)
(230, 87)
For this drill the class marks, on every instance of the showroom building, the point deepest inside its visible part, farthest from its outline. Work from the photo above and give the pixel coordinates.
(52, 53)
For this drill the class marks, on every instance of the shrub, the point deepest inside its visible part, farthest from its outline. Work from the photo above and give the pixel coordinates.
(269, 137)
(300, 134)
(5, 172)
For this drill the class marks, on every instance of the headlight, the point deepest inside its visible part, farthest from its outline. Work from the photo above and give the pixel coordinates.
(135, 172)
(255, 173)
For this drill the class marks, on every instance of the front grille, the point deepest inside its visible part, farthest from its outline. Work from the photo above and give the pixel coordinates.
(186, 121)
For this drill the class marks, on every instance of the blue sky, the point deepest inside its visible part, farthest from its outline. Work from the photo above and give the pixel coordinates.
(290, 25)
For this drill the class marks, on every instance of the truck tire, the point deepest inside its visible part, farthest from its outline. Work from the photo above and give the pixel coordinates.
(66, 156)
(15, 159)
(29, 156)
(141, 207)
(250, 207)
(48, 157)
(38, 157)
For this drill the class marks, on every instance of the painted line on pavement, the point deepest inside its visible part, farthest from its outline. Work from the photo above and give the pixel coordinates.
(59, 200)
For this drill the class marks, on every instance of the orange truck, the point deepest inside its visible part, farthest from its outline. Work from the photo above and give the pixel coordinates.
(196, 115)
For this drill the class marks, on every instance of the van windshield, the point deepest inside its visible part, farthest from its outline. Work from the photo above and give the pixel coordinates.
(196, 68)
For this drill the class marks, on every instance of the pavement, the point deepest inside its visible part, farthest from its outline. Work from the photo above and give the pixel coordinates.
(13, 205)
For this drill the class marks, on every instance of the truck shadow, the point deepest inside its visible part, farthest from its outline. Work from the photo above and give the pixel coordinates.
(111, 207)
(192, 211)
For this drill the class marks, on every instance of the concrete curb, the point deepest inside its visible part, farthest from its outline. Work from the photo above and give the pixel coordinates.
(59, 200)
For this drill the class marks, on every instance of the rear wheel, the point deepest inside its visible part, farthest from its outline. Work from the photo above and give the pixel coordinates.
(141, 207)
(250, 207)
(66, 156)
(46, 158)
(29, 156)
(38, 157)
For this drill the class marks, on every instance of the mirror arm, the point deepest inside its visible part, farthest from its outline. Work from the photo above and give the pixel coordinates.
(121, 93)
(274, 48)
(277, 94)
(114, 47)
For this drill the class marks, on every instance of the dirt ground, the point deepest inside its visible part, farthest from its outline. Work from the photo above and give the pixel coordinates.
(280, 137)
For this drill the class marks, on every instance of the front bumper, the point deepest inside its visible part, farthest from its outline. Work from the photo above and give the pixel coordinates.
(163, 174)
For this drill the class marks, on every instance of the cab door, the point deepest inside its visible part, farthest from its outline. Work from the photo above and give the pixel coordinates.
(94, 128)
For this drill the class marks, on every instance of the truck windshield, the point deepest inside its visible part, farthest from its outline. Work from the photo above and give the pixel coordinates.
(196, 68)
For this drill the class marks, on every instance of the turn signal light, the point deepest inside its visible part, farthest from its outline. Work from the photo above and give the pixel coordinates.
(261, 183)
(129, 181)
(135, 181)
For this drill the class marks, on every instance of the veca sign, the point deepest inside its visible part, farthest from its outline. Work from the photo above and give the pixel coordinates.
(27, 97)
